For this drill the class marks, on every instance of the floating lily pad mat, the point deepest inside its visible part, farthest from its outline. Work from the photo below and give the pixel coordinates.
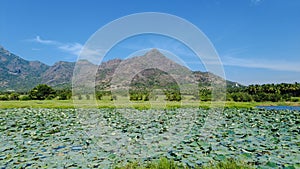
(102, 138)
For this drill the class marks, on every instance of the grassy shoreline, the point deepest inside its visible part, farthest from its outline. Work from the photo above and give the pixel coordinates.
(140, 105)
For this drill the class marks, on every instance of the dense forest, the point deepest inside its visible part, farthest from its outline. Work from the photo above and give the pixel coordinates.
(257, 93)
(265, 92)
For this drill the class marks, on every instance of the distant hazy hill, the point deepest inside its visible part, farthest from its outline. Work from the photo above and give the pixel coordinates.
(151, 69)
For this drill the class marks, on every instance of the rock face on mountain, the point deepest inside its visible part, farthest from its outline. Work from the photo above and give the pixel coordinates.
(22, 75)
(17, 73)
(105, 73)
(59, 74)
(153, 69)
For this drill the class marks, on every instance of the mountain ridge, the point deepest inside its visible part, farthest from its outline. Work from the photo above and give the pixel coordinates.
(19, 74)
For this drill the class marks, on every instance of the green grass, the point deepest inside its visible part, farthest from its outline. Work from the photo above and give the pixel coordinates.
(137, 104)
(37, 104)
(164, 163)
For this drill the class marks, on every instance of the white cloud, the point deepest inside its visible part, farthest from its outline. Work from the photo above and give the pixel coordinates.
(71, 48)
(279, 65)
(93, 55)
(38, 39)
(256, 2)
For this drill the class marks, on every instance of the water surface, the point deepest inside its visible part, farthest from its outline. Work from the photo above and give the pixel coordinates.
(279, 107)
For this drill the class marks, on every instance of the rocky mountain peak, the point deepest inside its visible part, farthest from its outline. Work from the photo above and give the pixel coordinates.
(154, 53)
(19, 74)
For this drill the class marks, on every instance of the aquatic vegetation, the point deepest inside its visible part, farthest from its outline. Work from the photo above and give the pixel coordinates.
(102, 138)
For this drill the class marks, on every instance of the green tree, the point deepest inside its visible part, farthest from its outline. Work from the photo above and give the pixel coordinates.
(64, 94)
(241, 97)
(42, 92)
(14, 96)
(99, 95)
(87, 96)
(173, 95)
(205, 94)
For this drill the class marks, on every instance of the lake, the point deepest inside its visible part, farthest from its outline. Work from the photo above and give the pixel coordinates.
(279, 107)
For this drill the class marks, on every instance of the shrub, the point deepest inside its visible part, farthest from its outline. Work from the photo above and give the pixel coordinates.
(25, 97)
(114, 97)
(295, 99)
(4, 97)
(99, 95)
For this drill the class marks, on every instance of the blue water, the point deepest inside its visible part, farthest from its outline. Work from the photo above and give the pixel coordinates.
(279, 107)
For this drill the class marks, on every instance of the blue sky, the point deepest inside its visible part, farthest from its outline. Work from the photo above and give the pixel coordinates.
(258, 41)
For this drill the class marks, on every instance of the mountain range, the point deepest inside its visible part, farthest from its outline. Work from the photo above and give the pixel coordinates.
(21, 75)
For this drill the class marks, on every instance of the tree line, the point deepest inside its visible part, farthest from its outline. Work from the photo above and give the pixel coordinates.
(40, 92)
(257, 93)
(171, 94)
(265, 92)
